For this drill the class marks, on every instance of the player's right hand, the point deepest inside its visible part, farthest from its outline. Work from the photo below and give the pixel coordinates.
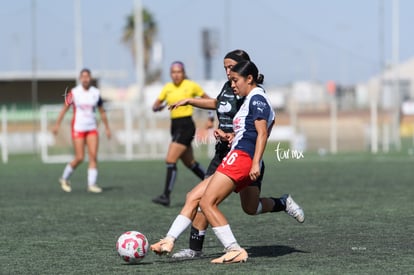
(178, 104)
(254, 171)
(55, 129)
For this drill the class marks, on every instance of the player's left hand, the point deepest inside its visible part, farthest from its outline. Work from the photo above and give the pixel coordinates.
(108, 133)
(230, 138)
(220, 135)
(254, 171)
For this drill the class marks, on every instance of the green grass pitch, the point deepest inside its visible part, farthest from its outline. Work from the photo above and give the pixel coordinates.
(359, 218)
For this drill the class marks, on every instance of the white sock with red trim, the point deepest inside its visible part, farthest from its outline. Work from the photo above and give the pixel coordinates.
(92, 176)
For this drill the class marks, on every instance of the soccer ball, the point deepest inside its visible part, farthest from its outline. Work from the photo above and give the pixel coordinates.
(132, 246)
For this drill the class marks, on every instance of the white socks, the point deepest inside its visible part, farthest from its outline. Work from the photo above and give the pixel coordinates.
(226, 237)
(92, 176)
(67, 172)
(178, 226)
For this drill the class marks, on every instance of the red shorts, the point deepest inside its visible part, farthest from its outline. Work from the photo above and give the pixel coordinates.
(236, 165)
(84, 134)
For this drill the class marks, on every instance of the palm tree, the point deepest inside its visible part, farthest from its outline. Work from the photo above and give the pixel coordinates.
(150, 31)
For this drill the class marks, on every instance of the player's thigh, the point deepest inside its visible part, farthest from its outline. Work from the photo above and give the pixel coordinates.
(175, 150)
(79, 148)
(219, 187)
(92, 141)
(188, 156)
(249, 199)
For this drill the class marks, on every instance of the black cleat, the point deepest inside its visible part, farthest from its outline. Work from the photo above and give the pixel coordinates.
(162, 199)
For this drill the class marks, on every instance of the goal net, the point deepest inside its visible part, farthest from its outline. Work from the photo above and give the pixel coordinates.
(135, 134)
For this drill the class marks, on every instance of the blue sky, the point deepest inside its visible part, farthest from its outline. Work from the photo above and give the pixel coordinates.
(288, 40)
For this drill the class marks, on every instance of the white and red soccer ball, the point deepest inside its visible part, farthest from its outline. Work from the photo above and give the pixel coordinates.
(132, 246)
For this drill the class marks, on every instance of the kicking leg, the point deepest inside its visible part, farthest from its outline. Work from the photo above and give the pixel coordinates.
(219, 188)
(182, 221)
(199, 224)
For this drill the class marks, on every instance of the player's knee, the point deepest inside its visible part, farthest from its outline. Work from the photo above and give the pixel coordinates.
(170, 160)
(192, 206)
(79, 159)
(249, 210)
(205, 204)
(189, 197)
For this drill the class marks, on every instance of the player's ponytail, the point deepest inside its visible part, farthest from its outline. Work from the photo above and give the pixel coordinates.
(260, 79)
(246, 68)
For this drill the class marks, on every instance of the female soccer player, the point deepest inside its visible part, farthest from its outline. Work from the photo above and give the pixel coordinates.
(239, 169)
(85, 99)
(182, 127)
(226, 105)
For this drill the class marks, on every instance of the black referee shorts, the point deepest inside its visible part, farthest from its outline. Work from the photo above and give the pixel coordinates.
(183, 130)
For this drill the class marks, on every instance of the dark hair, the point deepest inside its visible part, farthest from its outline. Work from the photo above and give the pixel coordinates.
(179, 63)
(246, 68)
(85, 70)
(238, 56)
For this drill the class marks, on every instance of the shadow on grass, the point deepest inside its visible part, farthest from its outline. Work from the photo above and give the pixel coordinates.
(254, 252)
(137, 264)
(272, 251)
(112, 188)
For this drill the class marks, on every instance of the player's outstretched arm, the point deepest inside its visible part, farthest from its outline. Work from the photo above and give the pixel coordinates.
(105, 121)
(62, 113)
(202, 103)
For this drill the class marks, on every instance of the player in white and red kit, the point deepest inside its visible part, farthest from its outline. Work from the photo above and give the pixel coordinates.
(84, 99)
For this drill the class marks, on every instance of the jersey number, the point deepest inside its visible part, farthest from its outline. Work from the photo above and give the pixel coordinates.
(230, 159)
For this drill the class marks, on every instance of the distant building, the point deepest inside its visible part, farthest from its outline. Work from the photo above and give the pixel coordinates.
(16, 87)
(383, 87)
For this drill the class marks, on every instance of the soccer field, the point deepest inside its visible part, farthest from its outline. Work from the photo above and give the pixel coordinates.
(359, 218)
